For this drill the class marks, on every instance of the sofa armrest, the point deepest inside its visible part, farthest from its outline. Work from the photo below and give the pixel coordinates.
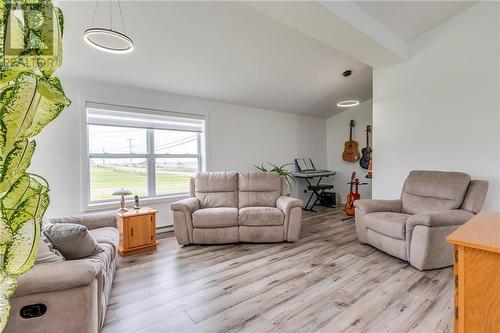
(292, 208)
(426, 247)
(366, 206)
(91, 221)
(370, 206)
(187, 206)
(55, 276)
(285, 203)
(444, 218)
(183, 222)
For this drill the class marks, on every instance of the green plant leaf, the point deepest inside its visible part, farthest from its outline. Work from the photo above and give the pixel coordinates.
(8, 286)
(27, 199)
(261, 168)
(53, 33)
(18, 112)
(21, 253)
(15, 196)
(5, 231)
(52, 103)
(33, 206)
(16, 163)
(12, 27)
(60, 17)
(7, 77)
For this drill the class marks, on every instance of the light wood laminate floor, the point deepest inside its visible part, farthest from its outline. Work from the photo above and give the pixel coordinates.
(327, 282)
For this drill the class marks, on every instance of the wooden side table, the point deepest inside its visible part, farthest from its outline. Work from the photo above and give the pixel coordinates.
(477, 268)
(137, 229)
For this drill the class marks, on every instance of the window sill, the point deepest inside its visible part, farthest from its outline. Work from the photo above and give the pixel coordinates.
(92, 207)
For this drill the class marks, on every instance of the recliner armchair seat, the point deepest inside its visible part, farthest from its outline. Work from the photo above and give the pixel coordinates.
(217, 217)
(432, 205)
(260, 216)
(388, 223)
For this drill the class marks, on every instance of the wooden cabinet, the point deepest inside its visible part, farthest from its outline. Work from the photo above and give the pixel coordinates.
(477, 274)
(137, 231)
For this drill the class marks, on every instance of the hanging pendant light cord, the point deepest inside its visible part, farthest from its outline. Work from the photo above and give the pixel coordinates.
(110, 17)
(121, 14)
(95, 11)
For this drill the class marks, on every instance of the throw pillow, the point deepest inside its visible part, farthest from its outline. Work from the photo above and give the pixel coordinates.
(73, 240)
(46, 253)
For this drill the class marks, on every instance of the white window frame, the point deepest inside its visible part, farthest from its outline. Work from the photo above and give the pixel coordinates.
(150, 156)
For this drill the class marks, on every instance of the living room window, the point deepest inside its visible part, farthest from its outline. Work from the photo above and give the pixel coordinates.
(151, 153)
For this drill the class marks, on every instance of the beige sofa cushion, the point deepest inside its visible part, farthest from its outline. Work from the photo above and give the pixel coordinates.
(107, 235)
(104, 259)
(258, 189)
(387, 223)
(217, 217)
(46, 253)
(260, 216)
(217, 189)
(426, 191)
(73, 240)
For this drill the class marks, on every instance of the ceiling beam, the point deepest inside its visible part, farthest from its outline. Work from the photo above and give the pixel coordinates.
(340, 25)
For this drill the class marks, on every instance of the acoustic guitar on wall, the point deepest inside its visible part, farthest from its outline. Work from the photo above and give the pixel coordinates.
(351, 147)
(367, 151)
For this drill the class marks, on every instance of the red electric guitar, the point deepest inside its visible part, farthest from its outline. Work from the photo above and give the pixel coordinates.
(352, 196)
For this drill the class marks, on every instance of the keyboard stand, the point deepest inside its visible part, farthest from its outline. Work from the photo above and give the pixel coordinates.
(317, 189)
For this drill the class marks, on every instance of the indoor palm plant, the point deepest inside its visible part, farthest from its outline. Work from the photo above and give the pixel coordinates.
(30, 98)
(280, 170)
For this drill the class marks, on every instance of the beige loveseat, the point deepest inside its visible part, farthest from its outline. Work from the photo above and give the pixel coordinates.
(230, 207)
(432, 205)
(75, 292)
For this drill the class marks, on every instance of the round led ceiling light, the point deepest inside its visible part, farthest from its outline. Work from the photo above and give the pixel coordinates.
(348, 102)
(108, 40)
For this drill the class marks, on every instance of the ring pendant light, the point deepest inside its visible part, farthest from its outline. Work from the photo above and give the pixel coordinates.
(108, 39)
(348, 102)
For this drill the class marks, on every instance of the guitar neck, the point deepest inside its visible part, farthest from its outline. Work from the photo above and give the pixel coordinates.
(350, 133)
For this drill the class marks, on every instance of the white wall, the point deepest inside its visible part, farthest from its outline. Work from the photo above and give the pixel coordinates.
(440, 110)
(238, 138)
(337, 132)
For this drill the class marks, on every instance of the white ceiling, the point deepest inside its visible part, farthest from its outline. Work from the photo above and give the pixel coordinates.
(410, 19)
(225, 51)
(275, 55)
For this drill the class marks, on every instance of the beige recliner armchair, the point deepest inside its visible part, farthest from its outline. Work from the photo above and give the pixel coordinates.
(230, 207)
(433, 204)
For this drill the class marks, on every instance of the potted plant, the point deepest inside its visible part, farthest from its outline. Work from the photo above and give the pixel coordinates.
(280, 170)
(30, 98)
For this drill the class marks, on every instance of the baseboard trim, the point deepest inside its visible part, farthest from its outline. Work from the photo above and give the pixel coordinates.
(166, 230)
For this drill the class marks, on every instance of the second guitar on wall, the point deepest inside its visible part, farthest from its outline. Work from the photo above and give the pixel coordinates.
(351, 148)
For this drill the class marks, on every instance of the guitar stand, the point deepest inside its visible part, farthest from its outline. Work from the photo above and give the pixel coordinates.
(348, 218)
